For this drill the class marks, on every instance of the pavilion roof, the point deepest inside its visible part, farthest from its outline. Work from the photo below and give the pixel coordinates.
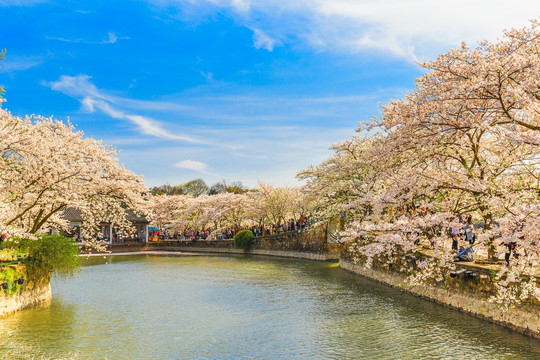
(73, 214)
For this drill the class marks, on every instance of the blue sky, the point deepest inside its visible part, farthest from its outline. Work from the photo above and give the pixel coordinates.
(228, 89)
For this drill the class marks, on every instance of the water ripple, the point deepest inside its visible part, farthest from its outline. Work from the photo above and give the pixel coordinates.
(204, 307)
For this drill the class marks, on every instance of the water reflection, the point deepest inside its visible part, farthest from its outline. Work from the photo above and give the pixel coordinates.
(151, 307)
(29, 334)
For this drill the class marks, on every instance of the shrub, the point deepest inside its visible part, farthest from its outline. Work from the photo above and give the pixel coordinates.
(243, 239)
(11, 274)
(49, 254)
(8, 254)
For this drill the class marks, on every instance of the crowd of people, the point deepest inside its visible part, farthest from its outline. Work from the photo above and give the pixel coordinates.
(463, 228)
(464, 238)
(463, 234)
(230, 232)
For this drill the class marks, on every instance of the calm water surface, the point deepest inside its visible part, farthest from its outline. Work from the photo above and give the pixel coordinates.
(156, 307)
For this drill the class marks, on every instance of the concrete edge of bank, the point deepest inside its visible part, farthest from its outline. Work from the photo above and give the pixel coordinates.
(525, 320)
(25, 299)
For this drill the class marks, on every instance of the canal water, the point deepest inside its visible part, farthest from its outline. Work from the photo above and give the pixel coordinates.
(209, 307)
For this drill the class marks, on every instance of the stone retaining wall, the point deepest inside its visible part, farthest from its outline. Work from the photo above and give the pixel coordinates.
(524, 319)
(224, 247)
(278, 253)
(24, 299)
(307, 244)
(313, 240)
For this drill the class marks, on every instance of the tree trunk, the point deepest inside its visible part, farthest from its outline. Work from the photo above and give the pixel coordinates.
(492, 258)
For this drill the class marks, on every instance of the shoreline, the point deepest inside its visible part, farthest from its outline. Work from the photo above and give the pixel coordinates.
(224, 247)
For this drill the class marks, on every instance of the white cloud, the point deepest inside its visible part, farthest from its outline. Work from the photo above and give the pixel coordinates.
(241, 5)
(78, 86)
(208, 76)
(191, 165)
(263, 41)
(92, 99)
(6, 3)
(111, 39)
(251, 133)
(407, 29)
(19, 63)
(271, 154)
(210, 109)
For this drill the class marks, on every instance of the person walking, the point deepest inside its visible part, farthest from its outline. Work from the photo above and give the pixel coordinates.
(511, 245)
(456, 233)
(469, 230)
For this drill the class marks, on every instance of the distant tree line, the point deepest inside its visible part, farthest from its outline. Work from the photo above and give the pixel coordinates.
(198, 187)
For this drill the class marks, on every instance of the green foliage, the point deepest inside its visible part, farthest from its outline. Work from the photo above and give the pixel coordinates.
(198, 187)
(11, 274)
(49, 254)
(194, 188)
(223, 186)
(8, 254)
(243, 239)
(168, 190)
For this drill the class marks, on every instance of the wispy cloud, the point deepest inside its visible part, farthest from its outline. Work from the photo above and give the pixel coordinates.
(191, 165)
(81, 88)
(272, 154)
(208, 76)
(249, 133)
(263, 41)
(111, 39)
(407, 29)
(6, 3)
(19, 63)
(210, 107)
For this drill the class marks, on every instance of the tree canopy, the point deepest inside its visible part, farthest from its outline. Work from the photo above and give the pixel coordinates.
(47, 166)
(464, 141)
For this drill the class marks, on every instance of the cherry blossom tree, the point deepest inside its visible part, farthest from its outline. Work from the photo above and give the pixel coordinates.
(275, 203)
(166, 210)
(47, 166)
(220, 211)
(340, 179)
(228, 210)
(465, 140)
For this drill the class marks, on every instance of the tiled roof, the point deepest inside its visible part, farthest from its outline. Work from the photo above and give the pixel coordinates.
(131, 216)
(72, 214)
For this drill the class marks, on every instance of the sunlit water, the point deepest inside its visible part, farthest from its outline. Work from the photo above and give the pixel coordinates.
(156, 307)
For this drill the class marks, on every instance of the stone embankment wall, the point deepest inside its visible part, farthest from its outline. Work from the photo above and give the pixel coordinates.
(29, 296)
(295, 244)
(467, 295)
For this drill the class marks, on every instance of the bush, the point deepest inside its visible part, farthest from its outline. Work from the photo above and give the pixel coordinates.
(49, 254)
(243, 239)
(8, 254)
(11, 274)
